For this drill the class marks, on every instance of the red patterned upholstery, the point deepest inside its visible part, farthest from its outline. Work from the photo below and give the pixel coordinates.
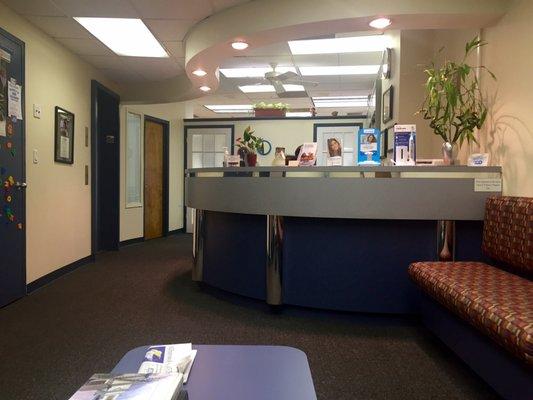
(496, 302)
(508, 232)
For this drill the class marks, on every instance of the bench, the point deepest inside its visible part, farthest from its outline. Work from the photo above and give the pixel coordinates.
(484, 310)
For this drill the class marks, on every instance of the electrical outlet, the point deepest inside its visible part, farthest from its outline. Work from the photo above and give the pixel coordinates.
(37, 111)
(35, 156)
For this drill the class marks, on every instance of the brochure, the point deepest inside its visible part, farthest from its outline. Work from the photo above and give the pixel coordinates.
(405, 144)
(368, 146)
(307, 155)
(334, 154)
(171, 358)
(131, 387)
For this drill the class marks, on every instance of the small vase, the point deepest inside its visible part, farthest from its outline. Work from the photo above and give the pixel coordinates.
(448, 155)
(252, 159)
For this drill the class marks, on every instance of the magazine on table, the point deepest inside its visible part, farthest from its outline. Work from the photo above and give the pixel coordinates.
(170, 358)
(132, 387)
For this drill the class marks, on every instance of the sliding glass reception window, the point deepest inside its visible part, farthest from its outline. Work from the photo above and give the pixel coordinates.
(133, 160)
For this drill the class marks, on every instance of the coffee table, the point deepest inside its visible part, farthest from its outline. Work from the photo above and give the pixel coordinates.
(240, 372)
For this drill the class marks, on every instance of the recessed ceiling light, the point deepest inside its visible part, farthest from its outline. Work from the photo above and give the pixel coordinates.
(240, 45)
(270, 88)
(205, 88)
(125, 36)
(298, 114)
(355, 44)
(340, 70)
(252, 72)
(199, 72)
(340, 101)
(380, 23)
(230, 108)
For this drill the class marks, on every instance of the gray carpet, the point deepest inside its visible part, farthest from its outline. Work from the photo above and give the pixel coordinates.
(54, 339)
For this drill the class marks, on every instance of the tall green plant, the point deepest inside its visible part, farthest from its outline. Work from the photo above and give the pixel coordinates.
(454, 103)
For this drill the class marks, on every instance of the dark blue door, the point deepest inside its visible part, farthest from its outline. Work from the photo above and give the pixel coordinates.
(12, 174)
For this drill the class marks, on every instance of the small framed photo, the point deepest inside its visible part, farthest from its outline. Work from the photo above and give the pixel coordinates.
(64, 136)
(387, 104)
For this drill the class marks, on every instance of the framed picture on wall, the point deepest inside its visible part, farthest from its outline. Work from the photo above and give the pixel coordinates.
(387, 104)
(64, 136)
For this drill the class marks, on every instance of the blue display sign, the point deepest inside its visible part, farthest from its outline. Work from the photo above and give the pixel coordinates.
(368, 146)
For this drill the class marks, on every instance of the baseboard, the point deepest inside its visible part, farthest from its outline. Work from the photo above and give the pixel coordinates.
(176, 231)
(52, 276)
(131, 241)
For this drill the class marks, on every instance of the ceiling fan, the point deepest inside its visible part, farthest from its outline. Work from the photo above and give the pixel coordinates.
(277, 80)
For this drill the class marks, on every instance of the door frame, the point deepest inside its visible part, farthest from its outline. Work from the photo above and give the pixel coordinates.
(22, 153)
(185, 136)
(95, 88)
(166, 152)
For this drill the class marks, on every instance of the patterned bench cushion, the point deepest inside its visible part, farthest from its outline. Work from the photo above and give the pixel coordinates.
(508, 232)
(496, 302)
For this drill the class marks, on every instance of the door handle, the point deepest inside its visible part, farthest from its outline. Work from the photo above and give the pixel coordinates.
(21, 185)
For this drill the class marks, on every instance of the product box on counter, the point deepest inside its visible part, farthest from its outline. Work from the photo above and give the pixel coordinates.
(404, 144)
(368, 146)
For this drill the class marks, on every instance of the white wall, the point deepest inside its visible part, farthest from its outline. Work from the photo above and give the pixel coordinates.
(281, 133)
(508, 134)
(132, 219)
(58, 203)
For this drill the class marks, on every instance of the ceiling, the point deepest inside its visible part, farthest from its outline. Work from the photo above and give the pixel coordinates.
(229, 93)
(169, 21)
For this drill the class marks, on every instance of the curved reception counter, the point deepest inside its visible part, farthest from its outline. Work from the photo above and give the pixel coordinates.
(336, 238)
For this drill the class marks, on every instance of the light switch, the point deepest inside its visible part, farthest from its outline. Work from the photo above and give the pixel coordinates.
(37, 111)
(35, 156)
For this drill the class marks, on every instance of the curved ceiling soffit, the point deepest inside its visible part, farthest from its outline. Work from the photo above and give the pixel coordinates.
(208, 43)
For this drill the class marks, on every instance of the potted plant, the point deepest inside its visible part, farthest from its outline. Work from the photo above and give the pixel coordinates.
(263, 109)
(249, 143)
(454, 104)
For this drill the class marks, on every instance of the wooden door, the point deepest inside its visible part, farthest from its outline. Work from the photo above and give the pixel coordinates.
(153, 180)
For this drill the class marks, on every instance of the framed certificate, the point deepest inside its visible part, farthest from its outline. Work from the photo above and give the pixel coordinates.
(64, 136)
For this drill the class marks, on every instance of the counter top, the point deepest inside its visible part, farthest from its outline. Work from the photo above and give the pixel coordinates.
(378, 168)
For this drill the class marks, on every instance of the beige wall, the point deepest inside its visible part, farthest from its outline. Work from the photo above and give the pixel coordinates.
(132, 219)
(281, 133)
(58, 204)
(508, 134)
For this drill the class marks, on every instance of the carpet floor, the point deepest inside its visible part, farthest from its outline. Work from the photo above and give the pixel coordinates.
(54, 339)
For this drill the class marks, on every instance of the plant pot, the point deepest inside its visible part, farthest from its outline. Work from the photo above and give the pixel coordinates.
(269, 112)
(252, 159)
(448, 153)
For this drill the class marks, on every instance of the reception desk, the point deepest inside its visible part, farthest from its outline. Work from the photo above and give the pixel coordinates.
(333, 237)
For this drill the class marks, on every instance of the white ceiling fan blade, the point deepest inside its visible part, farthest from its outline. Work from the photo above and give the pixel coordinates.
(286, 75)
(305, 83)
(278, 86)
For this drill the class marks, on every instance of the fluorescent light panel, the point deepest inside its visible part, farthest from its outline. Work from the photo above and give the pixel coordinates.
(124, 36)
(340, 70)
(230, 108)
(252, 72)
(340, 101)
(270, 88)
(298, 114)
(355, 44)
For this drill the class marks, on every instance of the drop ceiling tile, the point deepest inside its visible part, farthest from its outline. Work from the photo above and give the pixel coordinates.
(358, 79)
(176, 9)
(153, 69)
(277, 49)
(316, 60)
(220, 5)
(372, 58)
(105, 62)
(243, 61)
(34, 7)
(175, 49)
(86, 47)
(97, 8)
(169, 29)
(60, 27)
